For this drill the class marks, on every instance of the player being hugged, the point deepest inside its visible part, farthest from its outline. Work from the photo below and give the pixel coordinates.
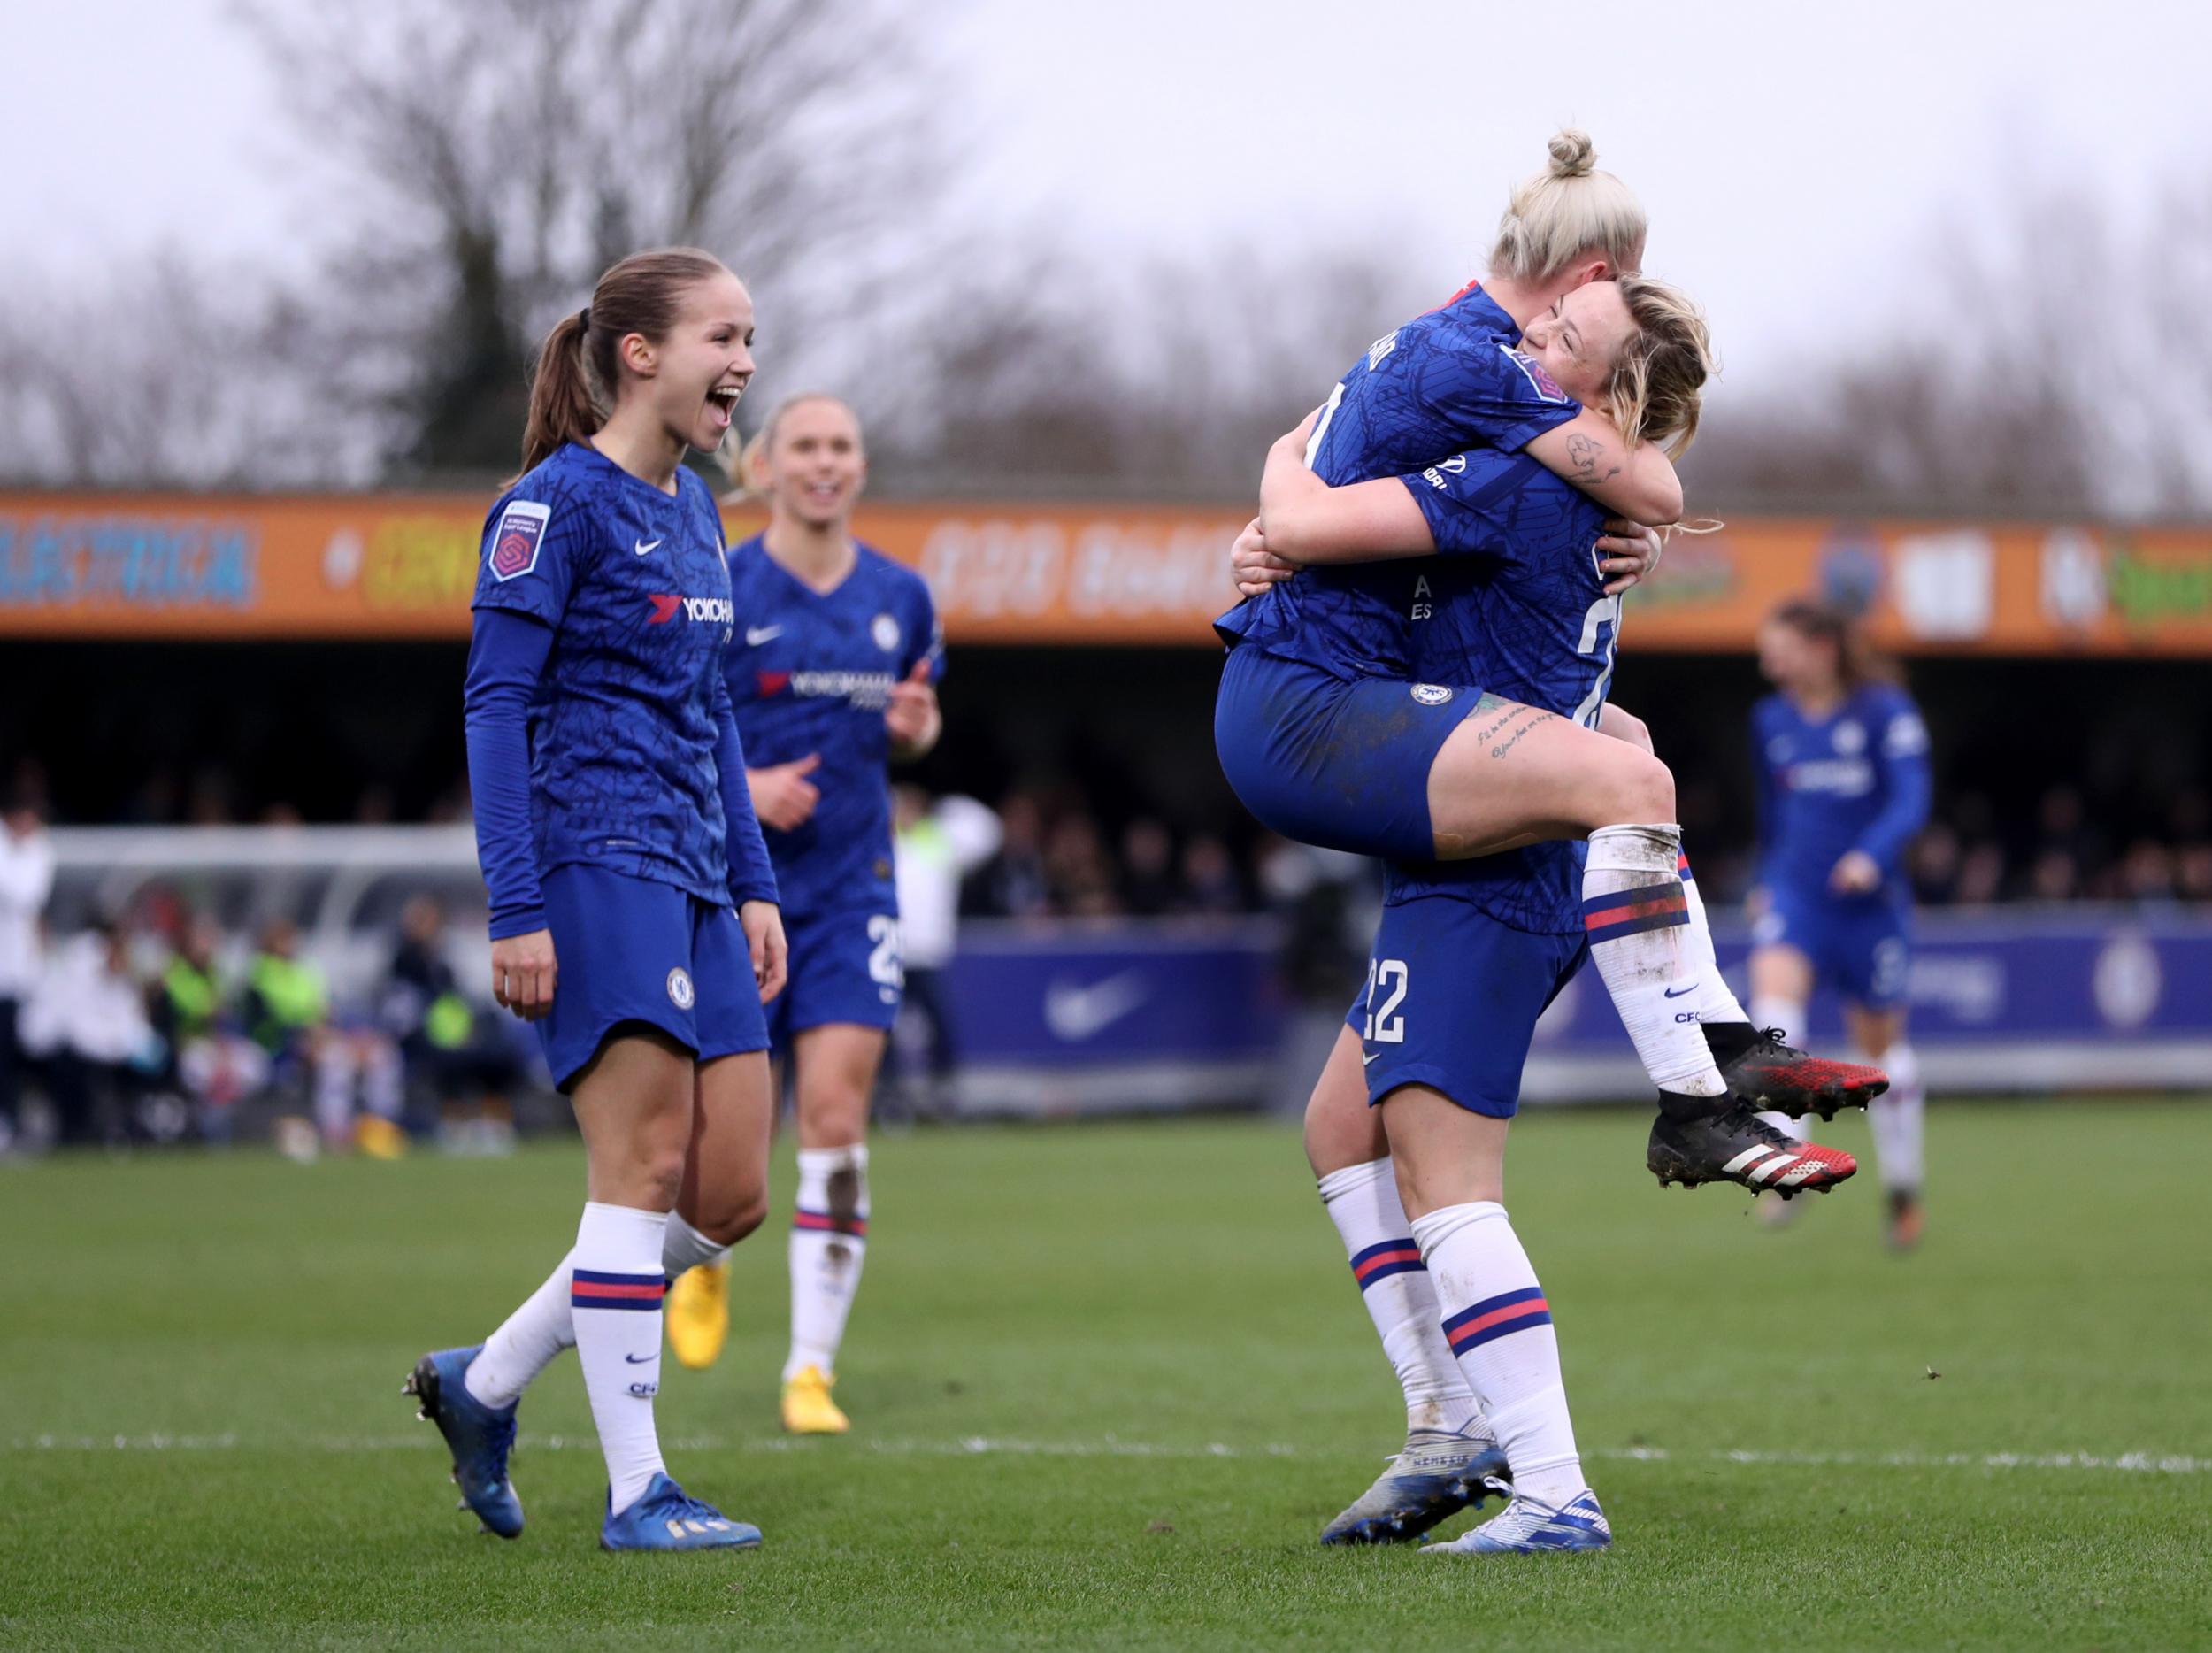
(632, 905)
(1843, 786)
(832, 679)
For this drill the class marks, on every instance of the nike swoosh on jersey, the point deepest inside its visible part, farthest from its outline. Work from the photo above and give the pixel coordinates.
(643, 546)
(756, 636)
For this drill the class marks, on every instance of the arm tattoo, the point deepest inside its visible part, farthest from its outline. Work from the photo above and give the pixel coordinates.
(1583, 453)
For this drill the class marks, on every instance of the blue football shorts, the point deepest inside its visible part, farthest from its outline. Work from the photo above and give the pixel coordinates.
(1340, 762)
(1860, 946)
(845, 968)
(634, 949)
(1451, 1002)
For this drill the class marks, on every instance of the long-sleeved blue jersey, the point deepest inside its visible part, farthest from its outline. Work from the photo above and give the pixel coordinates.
(631, 750)
(1856, 779)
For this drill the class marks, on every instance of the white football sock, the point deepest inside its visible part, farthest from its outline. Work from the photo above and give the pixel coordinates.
(685, 1248)
(529, 1338)
(615, 1293)
(1771, 1010)
(1497, 1324)
(1362, 1202)
(1636, 916)
(1896, 1118)
(1715, 1000)
(829, 1241)
(525, 1342)
(1782, 1123)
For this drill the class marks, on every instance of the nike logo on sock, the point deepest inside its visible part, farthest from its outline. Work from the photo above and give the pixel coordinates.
(1366, 1059)
(1676, 993)
(638, 1360)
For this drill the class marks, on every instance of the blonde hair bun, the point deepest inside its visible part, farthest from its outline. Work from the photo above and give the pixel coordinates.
(1572, 154)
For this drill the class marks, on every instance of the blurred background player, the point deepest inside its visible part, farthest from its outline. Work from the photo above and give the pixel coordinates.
(832, 675)
(1842, 759)
(633, 908)
(27, 878)
(934, 847)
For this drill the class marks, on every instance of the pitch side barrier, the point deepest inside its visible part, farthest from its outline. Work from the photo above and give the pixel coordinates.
(2004, 1000)
(1071, 1017)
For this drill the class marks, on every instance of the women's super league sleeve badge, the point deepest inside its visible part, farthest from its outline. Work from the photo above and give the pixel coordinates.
(516, 542)
(1543, 383)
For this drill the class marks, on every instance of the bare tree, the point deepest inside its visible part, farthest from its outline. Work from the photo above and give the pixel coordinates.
(491, 159)
(1159, 377)
(2054, 366)
(167, 373)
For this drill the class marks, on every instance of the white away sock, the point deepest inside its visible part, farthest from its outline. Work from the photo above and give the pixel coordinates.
(1896, 1117)
(829, 1241)
(525, 1342)
(529, 1338)
(1635, 915)
(615, 1294)
(1362, 1202)
(1715, 1001)
(684, 1248)
(1499, 1326)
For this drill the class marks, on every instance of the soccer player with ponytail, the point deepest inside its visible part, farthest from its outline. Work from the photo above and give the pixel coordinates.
(633, 911)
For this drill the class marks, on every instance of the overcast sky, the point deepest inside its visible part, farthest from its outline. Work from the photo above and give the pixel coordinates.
(1795, 159)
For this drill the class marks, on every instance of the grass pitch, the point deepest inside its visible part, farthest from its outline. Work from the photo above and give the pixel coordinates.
(1108, 1383)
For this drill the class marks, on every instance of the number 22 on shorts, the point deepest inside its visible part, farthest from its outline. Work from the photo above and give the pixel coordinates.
(1388, 977)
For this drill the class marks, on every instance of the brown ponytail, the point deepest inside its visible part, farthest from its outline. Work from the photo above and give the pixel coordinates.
(579, 365)
(1857, 665)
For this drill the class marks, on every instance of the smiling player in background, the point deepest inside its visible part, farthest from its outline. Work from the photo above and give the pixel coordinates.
(832, 677)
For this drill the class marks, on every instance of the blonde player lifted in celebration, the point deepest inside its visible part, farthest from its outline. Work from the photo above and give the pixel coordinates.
(833, 676)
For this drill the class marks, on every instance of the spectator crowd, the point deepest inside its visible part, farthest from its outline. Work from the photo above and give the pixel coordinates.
(156, 1024)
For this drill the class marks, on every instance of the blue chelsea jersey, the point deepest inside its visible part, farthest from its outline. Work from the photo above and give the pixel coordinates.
(1856, 779)
(622, 726)
(1514, 605)
(1444, 382)
(810, 674)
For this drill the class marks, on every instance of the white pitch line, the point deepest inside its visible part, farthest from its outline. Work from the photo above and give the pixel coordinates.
(986, 1446)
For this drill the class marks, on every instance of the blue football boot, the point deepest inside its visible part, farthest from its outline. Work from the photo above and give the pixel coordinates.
(668, 1518)
(1439, 1473)
(1526, 1526)
(479, 1436)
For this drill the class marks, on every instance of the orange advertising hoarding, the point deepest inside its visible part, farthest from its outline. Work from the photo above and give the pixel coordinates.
(368, 566)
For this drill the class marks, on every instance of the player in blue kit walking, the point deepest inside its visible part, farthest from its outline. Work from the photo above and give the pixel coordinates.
(833, 678)
(1843, 786)
(632, 906)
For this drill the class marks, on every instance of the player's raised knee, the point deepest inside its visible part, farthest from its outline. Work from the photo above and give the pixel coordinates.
(731, 1214)
(1637, 787)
